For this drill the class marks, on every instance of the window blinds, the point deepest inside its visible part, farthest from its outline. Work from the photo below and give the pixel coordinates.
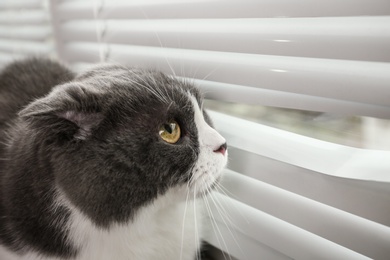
(286, 196)
(24, 29)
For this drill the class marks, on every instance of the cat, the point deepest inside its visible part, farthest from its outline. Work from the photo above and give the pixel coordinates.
(112, 163)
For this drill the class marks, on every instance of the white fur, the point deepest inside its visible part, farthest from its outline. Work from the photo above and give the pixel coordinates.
(167, 229)
(155, 233)
(209, 165)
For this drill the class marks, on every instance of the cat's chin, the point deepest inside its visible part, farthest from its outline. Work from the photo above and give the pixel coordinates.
(203, 185)
(195, 190)
(204, 191)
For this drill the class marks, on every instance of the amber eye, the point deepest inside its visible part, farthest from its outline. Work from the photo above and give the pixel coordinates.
(170, 132)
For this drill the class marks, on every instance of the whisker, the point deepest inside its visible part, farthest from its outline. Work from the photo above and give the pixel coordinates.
(204, 92)
(160, 42)
(214, 224)
(4, 143)
(221, 209)
(193, 177)
(194, 74)
(229, 229)
(223, 244)
(225, 191)
(210, 73)
(149, 88)
(183, 226)
(157, 87)
(219, 187)
(155, 91)
(225, 223)
(196, 223)
(162, 91)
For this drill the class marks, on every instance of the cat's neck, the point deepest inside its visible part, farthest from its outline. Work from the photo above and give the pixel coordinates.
(177, 224)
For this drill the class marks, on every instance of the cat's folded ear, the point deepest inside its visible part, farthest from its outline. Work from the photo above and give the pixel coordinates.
(71, 110)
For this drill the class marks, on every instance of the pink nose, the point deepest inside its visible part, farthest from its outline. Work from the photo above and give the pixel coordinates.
(222, 149)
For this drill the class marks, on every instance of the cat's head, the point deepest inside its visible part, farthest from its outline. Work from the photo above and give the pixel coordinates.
(118, 138)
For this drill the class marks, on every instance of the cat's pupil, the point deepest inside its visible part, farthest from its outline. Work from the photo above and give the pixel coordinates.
(169, 128)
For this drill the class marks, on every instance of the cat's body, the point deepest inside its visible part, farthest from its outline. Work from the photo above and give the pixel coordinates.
(90, 171)
(152, 235)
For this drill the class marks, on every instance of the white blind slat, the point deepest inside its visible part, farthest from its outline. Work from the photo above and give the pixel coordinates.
(279, 235)
(155, 9)
(33, 33)
(20, 4)
(308, 153)
(6, 58)
(23, 29)
(304, 37)
(371, 200)
(274, 98)
(241, 247)
(336, 225)
(24, 47)
(336, 79)
(254, 96)
(23, 17)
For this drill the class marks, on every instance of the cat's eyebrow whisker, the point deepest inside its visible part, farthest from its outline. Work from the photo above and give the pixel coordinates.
(156, 89)
(170, 67)
(208, 91)
(3, 143)
(150, 89)
(182, 72)
(196, 71)
(170, 104)
(161, 90)
(146, 85)
(210, 73)
(159, 41)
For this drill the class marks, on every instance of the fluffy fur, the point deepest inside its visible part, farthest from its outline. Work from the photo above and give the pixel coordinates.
(84, 173)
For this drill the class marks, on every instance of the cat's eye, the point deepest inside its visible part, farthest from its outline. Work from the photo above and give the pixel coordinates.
(170, 132)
